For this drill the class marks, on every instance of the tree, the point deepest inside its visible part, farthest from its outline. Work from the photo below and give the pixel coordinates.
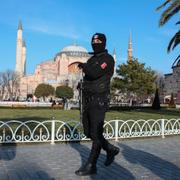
(156, 102)
(9, 84)
(64, 92)
(2, 87)
(134, 79)
(159, 80)
(160, 84)
(172, 9)
(44, 90)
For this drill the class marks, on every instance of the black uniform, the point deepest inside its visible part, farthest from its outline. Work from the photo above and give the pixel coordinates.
(96, 89)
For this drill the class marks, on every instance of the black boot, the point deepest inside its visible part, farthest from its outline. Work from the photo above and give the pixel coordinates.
(87, 169)
(90, 167)
(111, 153)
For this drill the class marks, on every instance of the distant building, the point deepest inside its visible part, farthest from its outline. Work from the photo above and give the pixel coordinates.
(172, 83)
(130, 50)
(60, 70)
(20, 52)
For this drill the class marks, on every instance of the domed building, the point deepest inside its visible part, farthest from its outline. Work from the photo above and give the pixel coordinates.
(61, 70)
(172, 82)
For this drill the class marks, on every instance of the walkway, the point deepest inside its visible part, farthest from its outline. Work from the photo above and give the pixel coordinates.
(141, 159)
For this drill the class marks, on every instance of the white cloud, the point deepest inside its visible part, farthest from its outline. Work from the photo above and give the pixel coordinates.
(54, 30)
(63, 29)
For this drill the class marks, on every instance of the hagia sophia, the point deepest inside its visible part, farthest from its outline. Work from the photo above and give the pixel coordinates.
(62, 69)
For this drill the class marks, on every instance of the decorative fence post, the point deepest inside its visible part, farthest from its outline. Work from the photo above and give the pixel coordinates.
(162, 128)
(53, 130)
(116, 130)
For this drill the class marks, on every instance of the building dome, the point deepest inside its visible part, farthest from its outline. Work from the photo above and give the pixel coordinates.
(75, 50)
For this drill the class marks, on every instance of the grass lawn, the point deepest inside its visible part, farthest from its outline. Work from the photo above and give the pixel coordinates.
(48, 113)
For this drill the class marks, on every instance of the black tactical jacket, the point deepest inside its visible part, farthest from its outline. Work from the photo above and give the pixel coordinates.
(98, 72)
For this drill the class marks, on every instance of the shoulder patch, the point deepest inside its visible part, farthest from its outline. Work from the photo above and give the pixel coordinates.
(103, 65)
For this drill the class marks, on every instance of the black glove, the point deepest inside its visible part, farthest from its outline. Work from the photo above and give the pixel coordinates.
(80, 65)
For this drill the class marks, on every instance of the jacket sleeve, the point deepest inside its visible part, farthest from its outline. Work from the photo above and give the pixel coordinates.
(99, 68)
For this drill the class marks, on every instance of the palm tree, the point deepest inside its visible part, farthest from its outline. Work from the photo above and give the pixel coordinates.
(172, 9)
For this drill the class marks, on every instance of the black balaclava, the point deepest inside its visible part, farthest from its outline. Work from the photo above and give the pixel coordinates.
(99, 47)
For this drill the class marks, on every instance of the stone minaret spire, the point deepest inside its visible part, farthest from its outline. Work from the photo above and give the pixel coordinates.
(114, 56)
(19, 44)
(24, 58)
(130, 50)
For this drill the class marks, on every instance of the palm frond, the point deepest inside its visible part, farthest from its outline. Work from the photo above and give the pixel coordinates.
(169, 12)
(177, 40)
(163, 5)
(174, 41)
(176, 60)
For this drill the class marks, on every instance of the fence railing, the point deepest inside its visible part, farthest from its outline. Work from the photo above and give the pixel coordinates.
(14, 131)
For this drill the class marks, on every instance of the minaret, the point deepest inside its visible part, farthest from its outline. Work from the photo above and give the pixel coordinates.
(24, 58)
(114, 56)
(19, 64)
(130, 50)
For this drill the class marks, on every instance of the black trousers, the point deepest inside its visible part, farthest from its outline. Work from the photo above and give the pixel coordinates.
(93, 121)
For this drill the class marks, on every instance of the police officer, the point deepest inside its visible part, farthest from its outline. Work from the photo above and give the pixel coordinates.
(96, 88)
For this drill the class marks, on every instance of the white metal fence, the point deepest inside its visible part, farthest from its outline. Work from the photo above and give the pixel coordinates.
(14, 131)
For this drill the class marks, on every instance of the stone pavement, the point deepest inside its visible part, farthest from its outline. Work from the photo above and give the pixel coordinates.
(142, 159)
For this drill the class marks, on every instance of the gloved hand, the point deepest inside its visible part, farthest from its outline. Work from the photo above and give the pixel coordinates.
(80, 65)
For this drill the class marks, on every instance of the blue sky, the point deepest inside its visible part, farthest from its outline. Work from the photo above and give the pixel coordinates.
(50, 25)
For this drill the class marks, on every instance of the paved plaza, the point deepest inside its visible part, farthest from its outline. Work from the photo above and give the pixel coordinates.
(147, 159)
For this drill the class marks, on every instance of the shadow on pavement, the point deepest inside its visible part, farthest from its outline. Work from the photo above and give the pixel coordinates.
(114, 171)
(7, 151)
(15, 169)
(162, 168)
